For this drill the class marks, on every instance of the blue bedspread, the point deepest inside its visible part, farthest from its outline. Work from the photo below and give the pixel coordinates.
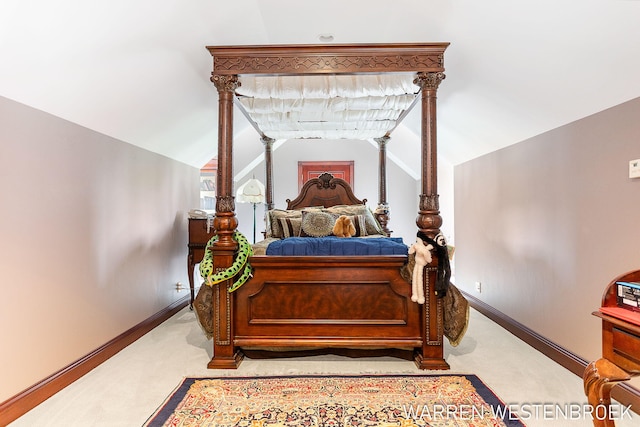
(336, 246)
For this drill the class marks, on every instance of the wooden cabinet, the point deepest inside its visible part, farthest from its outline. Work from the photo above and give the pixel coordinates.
(200, 232)
(620, 360)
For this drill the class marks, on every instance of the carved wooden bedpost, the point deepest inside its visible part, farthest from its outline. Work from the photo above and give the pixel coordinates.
(382, 210)
(429, 219)
(225, 355)
(268, 145)
(429, 222)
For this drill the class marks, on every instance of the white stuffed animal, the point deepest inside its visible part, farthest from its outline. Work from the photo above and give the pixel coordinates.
(422, 258)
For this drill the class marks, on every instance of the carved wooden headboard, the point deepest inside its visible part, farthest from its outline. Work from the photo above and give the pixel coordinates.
(325, 191)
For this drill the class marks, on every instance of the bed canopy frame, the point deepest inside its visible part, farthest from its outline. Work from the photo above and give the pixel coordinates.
(423, 62)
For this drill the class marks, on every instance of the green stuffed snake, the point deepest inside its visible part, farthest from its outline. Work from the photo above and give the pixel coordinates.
(240, 265)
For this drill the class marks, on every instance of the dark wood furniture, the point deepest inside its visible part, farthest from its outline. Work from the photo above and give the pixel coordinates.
(352, 302)
(620, 350)
(325, 190)
(200, 232)
(319, 302)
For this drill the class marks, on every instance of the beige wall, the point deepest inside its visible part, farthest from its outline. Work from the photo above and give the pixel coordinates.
(546, 224)
(93, 240)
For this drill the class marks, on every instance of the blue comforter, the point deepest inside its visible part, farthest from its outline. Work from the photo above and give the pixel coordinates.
(337, 246)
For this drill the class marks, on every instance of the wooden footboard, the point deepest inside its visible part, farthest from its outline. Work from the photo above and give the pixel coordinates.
(358, 302)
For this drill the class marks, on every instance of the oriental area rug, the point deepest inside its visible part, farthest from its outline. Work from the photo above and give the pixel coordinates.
(334, 401)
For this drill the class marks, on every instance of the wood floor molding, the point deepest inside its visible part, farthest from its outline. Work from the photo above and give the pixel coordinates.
(623, 393)
(28, 399)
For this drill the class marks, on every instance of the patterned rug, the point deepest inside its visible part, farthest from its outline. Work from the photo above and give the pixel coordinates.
(333, 401)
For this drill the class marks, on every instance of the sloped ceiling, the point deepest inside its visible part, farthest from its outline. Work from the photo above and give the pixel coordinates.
(138, 70)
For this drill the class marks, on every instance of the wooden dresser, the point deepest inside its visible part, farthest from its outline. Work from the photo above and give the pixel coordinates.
(620, 343)
(200, 232)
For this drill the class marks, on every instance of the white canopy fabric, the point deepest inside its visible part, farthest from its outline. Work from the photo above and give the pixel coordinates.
(327, 106)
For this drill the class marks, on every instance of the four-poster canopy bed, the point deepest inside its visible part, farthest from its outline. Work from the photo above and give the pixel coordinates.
(318, 302)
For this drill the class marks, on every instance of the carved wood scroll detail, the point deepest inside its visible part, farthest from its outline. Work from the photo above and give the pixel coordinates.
(326, 63)
(429, 80)
(225, 83)
(225, 204)
(429, 202)
(335, 59)
(326, 181)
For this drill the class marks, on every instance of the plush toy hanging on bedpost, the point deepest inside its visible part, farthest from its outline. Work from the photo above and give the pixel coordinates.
(240, 264)
(443, 276)
(422, 258)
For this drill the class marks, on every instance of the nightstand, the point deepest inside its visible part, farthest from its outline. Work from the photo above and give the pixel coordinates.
(200, 232)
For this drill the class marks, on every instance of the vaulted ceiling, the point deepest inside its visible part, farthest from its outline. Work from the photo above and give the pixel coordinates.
(138, 70)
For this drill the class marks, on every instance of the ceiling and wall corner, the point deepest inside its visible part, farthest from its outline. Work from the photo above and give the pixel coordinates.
(139, 71)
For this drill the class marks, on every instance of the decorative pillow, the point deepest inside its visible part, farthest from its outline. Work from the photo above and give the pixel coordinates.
(346, 209)
(359, 224)
(290, 226)
(274, 229)
(317, 224)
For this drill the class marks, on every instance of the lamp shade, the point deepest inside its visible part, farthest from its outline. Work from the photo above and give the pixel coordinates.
(251, 191)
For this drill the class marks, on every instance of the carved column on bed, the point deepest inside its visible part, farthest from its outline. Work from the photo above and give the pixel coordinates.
(429, 219)
(225, 355)
(431, 355)
(382, 210)
(268, 144)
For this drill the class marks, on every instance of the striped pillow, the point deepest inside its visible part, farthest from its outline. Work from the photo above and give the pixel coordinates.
(290, 226)
(360, 224)
(273, 221)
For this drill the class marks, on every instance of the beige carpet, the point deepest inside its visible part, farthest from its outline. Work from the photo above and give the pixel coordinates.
(128, 388)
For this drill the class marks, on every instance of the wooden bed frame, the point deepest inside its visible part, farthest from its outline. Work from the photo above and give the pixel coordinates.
(356, 302)
(327, 302)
